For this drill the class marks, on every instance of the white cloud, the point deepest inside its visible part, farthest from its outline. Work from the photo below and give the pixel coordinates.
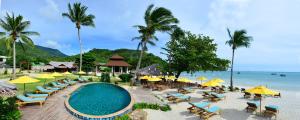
(50, 11)
(55, 45)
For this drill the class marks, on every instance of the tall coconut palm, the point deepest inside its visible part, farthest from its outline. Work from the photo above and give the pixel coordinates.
(156, 19)
(15, 30)
(77, 14)
(237, 40)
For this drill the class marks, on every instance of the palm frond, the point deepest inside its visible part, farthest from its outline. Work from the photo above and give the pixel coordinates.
(30, 33)
(27, 40)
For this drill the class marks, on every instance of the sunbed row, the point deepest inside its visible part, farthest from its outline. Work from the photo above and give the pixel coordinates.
(42, 93)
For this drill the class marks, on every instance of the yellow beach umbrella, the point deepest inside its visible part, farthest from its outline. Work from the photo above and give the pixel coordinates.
(67, 73)
(81, 72)
(145, 77)
(154, 79)
(218, 80)
(201, 78)
(171, 78)
(24, 80)
(185, 80)
(56, 74)
(45, 76)
(262, 90)
(211, 84)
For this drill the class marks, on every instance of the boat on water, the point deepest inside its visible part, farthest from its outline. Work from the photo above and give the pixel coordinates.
(273, 73)
(282, 75)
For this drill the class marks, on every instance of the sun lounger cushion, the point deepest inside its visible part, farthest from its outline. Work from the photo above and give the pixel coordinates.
(175, 94)
(27, 99)
(213, 109)
(36, 95)
(218, 95)
(40, 88)
(254, 102)
(53, 88)
(200, 104)
(272, 107)
(184, 97)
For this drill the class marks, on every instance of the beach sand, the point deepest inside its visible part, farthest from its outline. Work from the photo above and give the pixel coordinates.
(232, 108)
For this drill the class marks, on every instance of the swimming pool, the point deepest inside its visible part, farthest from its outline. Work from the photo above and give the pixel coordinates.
(99, 101)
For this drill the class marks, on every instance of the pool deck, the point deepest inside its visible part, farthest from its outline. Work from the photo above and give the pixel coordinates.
(54, 108)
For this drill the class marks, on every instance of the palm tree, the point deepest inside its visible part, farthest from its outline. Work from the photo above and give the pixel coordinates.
(77, 14)
(15, 30)
(157, 19)
(237, 40)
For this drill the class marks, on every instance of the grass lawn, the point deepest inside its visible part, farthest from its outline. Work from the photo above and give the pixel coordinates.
(31, 87)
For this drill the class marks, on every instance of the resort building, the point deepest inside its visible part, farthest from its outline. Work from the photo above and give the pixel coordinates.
(118, 65)
(150, 70)
(61, 66)
(3, 66)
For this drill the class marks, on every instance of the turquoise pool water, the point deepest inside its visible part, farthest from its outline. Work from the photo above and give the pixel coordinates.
(99, 99)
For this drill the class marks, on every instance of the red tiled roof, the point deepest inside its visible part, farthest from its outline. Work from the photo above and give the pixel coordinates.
(120, 63)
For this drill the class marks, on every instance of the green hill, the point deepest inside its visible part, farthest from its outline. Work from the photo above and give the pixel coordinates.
(131, 56)
(32, 54)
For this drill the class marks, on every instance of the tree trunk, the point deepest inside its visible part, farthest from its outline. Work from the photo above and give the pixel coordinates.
(177, 75)
(14, 60)
(139, 62)
(80, 43)
(231, 74)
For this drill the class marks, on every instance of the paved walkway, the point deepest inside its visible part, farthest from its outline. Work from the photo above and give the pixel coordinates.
(54, 108)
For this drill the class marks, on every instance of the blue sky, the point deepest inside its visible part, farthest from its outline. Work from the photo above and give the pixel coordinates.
(274, 25)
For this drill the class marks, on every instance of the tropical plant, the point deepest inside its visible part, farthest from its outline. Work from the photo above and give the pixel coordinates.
(237, 40)
(77, 14)
(88, 62)
(15, 31)
(125, 77)
(9, 109)
(190, 52)
(156, 19)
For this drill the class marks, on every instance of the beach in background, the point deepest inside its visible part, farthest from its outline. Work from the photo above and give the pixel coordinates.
(272, 80)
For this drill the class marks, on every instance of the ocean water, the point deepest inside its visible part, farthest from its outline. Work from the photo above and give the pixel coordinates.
(291, 82)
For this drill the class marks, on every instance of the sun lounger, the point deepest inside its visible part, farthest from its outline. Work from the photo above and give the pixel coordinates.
(27, 100)
(70, 83)
(56, 85)
(216, 97)
(52, 88)
(271, 110)
(206, 94)
(37, 95)
(172, 96)
(277, 95)
(43, 90)
(185, 90)
(62, 84)
(252, 106)
(257, 96)
(182, 99)
(80, 79)
(209, 112)
(247, 95)
(198, 106)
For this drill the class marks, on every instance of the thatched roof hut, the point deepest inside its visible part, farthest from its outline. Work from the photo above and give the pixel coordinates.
(150, 70)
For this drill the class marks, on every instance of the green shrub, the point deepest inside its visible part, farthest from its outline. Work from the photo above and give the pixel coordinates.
(124, 117)
(165, 108)
(151, 106)
(125, 77)
(9, 109)
(105, 77)
(90, 79)
(5, 72)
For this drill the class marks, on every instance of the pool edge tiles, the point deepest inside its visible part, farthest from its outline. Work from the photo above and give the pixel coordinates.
(112, 116)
